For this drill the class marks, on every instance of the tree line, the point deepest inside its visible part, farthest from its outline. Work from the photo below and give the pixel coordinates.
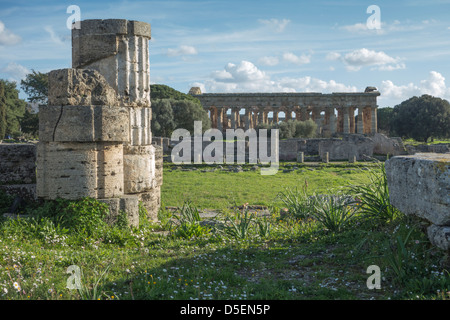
(421, 118)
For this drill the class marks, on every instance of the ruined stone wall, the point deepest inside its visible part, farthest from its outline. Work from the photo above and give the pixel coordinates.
(18, 169)
(17, 163)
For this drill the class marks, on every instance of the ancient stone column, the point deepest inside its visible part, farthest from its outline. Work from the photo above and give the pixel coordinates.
(220, 118)
(331, 120)
(360, 124)
(275, 117)
(233, 118)
(374, 128)
(247, 118)
(346, 120)
(95, 138)
(352, 119)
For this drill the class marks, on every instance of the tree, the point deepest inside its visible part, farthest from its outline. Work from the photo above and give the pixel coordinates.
(35, 86)
(422, 117)
(2, 111)
(305, 129)
(186, 112)
(15, 108)
(384, 119)
(163, 122)
(30, 123)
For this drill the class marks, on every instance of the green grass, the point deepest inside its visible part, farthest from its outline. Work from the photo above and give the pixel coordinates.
(243, 256)
(222, 189)
(415, 143)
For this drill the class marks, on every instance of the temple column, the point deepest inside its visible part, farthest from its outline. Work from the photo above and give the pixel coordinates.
(331, 120)
(233, 118)
(288, 115)
(220, 118)
(346, 121)
(247, 118)
(260, 116)
(374, 120)
(275, 117)
(360, 123)
(352, 119)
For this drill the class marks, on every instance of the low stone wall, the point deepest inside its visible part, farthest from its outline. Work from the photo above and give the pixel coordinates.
(18, 170)
(435, 148)
(17, 163)
(420, 185)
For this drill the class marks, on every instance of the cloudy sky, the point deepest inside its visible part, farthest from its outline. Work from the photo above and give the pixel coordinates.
(400, 47)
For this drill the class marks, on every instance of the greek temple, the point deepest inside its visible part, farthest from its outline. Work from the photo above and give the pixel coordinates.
(354, 112)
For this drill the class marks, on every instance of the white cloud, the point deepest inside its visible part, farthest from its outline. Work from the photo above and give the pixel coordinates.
(359, 58)
(275, 24)
(182, 51)
(16, 71)
(303, 59)
(434, 85)
(365, 57)
(7, 38)
(246, 77)
(269, 61)
(333, 56)
(54, 37)
(356, 28)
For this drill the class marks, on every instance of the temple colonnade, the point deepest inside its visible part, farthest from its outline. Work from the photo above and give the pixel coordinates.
(333, 113)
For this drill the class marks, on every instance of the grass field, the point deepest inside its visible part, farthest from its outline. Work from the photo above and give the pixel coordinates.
(222, 189)
(303, 250)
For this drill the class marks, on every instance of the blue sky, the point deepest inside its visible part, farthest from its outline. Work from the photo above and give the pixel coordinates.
(254, 46)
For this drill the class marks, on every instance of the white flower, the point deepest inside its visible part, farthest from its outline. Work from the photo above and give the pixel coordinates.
(5, 290)
(16, 286)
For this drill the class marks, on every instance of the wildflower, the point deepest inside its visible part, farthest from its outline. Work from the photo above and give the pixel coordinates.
(16, 286)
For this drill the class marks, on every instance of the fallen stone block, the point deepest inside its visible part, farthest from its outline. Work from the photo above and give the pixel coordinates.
(420, 185)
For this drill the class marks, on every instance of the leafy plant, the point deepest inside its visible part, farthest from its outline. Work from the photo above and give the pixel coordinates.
(373, 198)
(188, 223)
(334, 212)
(298, 203)
(94, 293)
(239, 226)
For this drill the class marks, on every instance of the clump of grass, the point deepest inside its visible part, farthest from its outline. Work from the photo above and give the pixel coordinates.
(297, 202)
(187, 223)
(334, 212)
(373, 198)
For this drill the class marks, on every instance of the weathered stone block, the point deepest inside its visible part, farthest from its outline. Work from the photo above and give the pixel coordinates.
(128, 204)
(420, 185)
(79, 87)
(439, 236)
(139, 168)
(151, 200)
(140, 126)
(83, 123)
(76, 170)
